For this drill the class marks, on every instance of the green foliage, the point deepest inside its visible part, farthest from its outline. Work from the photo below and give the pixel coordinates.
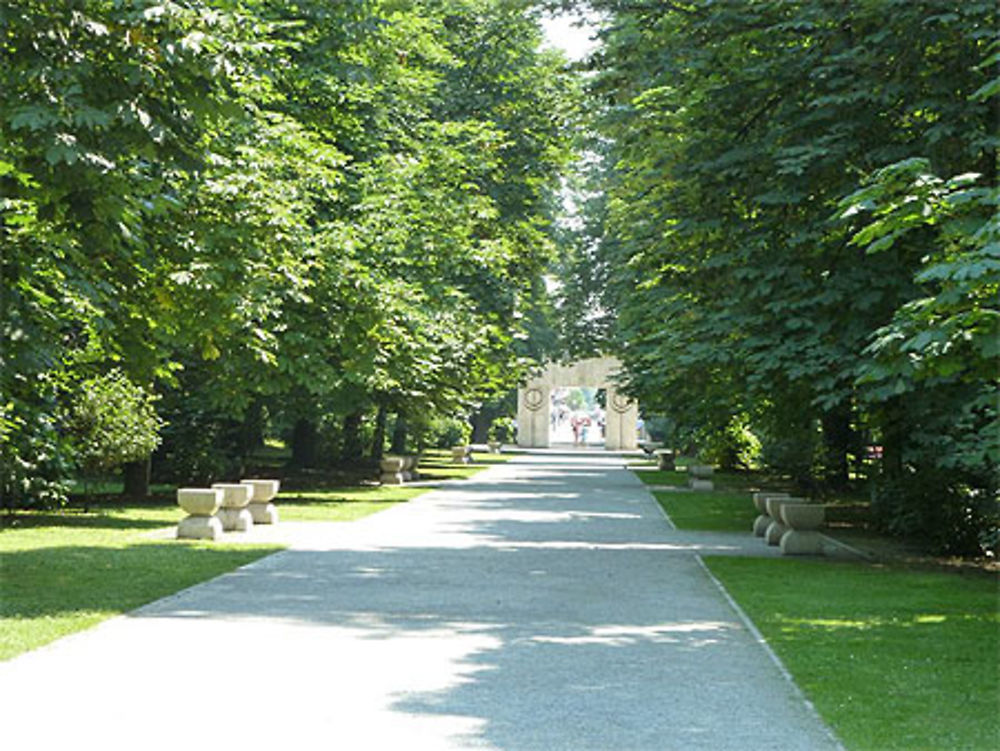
(325, 208)
(113, 421)
(445, 432)
(793, 229)
(733, 447)
(503, 430)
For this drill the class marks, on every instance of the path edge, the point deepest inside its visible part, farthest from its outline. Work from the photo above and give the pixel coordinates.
(762, 642)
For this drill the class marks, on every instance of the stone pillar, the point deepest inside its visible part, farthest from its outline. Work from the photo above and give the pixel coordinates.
(533, 414)
(621, 416)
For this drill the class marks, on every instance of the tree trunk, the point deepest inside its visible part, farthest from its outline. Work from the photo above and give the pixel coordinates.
(136, 477)
(836, 443)
(399, 435)
(352, 448)
(305, 444)
(378, 440)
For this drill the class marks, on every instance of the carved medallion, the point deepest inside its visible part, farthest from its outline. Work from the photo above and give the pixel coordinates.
(534, 399)
(620, 403)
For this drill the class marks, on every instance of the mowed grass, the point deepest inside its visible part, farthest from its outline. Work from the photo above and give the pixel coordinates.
(64, 572)
(892, 658)
(710, 510)
(662, 477)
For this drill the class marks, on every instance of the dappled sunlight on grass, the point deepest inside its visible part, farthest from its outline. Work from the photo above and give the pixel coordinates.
(892, 658)
(711, 510)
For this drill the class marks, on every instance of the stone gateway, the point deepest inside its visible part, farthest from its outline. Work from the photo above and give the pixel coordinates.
(534, 403)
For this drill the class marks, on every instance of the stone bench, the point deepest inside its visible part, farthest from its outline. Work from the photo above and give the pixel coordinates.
(397, 469)
(461, 454)
(234, 513)
(763, 520)
(666, 460)
(201, 505)
(260, 507)
(790, 523)
(698, 477)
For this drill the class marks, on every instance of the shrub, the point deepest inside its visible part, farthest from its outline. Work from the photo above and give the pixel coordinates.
(503, 430)
(112, 421)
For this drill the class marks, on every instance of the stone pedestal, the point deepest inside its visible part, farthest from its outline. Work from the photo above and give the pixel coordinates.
(201, 505)
(802, 521)
(261, 509)
(494, 447)
(698, 477)
(234, 515)
(461, 454)
(763, 520)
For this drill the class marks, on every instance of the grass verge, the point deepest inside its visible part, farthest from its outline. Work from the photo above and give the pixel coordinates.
(61, 573)
(715, 511)
(892, 658)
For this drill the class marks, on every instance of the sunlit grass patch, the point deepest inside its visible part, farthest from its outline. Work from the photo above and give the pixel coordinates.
(61, 573)
(892, 658)
(341, 504)
(711, 510)
(662, 477)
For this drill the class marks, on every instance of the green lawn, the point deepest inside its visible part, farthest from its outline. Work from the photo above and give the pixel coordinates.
(662, 477)
(710, 510)
(64, 572)
(892, 658)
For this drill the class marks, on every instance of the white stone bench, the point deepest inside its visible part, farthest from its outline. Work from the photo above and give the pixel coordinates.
(397, 469)
(461, 454)
(201, 505)
(234, 514)
(790, 523)
(260, 507)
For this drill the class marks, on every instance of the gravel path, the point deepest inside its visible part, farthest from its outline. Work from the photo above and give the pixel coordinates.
(546, 604)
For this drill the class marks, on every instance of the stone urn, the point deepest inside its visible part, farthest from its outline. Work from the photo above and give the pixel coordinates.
(763, 520)
(261, 509)
(234, 515)
(495, 447)
(802, 521)
(201, 504)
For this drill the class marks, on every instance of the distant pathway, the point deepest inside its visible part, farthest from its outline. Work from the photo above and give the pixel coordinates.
(545, 605)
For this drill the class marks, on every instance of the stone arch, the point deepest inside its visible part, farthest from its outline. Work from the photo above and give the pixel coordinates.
(534, 402)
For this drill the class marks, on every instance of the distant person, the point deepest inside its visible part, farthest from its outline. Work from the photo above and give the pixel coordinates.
(575, 423)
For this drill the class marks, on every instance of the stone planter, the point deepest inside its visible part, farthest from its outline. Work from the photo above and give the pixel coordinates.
(777, 528)
(763, 520)
(234, 515)
(261, 509)
(201, 504)
(495, 447)
(461, 454)
(802, 521)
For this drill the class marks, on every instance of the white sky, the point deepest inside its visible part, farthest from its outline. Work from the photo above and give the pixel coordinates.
(575, 41)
